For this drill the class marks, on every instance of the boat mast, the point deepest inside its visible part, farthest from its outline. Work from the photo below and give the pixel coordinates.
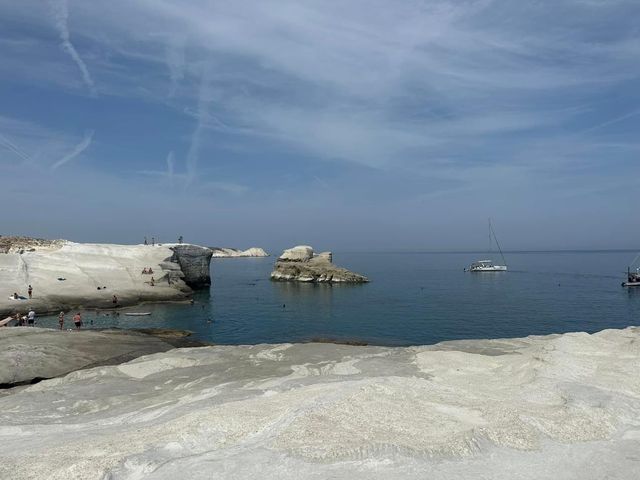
(490, 242)
(498, 244)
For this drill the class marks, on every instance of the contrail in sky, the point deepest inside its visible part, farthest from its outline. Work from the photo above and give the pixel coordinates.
(81, 147)
(60, 11)
(5, 142)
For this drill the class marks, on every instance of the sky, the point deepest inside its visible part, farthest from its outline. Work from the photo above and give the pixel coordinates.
(346, 125)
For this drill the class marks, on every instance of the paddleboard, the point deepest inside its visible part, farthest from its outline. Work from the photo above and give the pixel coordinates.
(137, 314)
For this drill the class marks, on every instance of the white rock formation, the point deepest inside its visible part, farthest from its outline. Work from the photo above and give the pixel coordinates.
(543, 408)
(220, 252)
(301, 253)
(67, 275)
(301, 264)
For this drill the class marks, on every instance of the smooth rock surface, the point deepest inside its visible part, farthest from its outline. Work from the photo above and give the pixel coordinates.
(35, 353)
(301, 253)
(544, 408)
(223, 252)
(300, 264)
(67, 275)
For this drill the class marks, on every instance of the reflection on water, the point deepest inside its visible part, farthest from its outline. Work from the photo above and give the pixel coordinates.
(412, 299)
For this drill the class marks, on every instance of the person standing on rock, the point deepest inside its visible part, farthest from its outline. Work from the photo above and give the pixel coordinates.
(31, 318)
(61, 320)
(77, 320)
(145, 241)
(30, 291)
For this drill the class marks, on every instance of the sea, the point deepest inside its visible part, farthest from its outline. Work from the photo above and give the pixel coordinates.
(413, 298)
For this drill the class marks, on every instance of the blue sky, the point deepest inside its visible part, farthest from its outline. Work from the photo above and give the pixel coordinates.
(345, 125)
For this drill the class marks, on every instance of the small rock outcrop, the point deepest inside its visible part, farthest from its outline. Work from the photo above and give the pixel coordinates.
(19, 244)
(224, 252)
(300, 264)
(194, 262)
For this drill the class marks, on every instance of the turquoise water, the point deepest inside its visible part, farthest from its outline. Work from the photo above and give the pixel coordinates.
(413, 298)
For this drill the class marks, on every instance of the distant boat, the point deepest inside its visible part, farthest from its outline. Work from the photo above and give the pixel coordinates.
(488, 265)
(137, 314)
(633, 277)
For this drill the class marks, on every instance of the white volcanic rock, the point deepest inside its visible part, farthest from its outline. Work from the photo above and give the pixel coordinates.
(300, 264)
(326, 256)
(67, 275)
(301, 253)
(34, 353)
(553, 407)
(220, 252)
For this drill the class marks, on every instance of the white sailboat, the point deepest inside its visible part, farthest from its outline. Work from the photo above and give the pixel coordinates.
(488, 265)
(633, 277)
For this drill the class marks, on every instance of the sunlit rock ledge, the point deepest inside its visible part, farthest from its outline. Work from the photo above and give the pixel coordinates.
(552, 407)
(67, 275)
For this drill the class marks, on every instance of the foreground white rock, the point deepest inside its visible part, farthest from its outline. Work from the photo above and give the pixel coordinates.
(67, 275)
(28, 354)
(554, 407)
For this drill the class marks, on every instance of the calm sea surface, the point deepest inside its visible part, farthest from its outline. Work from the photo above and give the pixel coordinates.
(413, 298)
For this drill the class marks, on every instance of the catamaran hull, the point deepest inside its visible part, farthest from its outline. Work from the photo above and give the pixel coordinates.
(494, 268)
(631, 284)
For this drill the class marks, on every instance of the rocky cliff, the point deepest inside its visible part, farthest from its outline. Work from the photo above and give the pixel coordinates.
(195, 263)
(67, 275)
(301, 264)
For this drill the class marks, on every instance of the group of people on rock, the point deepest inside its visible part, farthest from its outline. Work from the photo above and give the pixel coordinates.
(153, 240)
(29, 320)
(77, 320)
(16, 296)
(26, 320)
(149, 271)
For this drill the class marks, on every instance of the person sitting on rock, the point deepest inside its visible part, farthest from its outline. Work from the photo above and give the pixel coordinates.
(150, 272)
(114, 300)
(144, 271)
(15, 296)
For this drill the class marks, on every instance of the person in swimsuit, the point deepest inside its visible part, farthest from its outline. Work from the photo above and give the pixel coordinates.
(61, 320)
(77, 320)
(30, 291)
